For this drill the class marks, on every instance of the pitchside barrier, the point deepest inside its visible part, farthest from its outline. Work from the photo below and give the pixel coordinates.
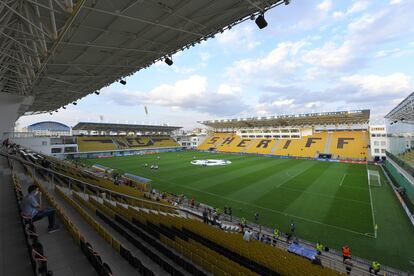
(288, 157)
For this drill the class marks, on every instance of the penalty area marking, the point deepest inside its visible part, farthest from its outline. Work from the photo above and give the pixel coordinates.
(282, 213)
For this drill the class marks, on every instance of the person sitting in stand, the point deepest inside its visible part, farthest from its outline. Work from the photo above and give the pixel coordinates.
(31, 208)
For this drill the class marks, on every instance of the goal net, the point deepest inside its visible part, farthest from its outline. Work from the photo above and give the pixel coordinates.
(374, 178)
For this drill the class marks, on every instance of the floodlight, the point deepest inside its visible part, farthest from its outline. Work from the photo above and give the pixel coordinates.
(123, 82)
(168, 61)
(260, 21)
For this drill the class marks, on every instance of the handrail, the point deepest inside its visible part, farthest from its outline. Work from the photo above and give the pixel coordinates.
(92, 185)
(407, 167)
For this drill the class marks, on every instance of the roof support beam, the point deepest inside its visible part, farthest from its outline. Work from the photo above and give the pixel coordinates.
(144, 21)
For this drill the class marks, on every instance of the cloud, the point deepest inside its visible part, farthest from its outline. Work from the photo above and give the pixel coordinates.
(191, 94)
(355, 91)
(364, 35)
(356, 7)
(368, 86)
(278, 63)
(240, 37)
(325, 5)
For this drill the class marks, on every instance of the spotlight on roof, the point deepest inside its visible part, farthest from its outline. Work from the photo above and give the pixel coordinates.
(123, 82)
(168, 61)
(75, 103)
(395, 122)
(97, 92)
(260, 21)
(51, 113)
(64, 107)
(287, 2)
(402, 119)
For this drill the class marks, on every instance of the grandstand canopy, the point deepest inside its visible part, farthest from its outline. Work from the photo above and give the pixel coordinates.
(123, 127)
(403, 112)
(60, 51)
(48, 125)
(325, 118)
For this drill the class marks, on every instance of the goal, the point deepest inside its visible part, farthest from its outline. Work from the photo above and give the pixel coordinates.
(374, 178)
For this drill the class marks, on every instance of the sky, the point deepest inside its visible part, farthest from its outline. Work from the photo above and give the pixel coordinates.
(313, 56)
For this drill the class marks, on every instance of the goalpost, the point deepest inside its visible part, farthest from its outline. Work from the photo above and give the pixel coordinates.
(374, 178)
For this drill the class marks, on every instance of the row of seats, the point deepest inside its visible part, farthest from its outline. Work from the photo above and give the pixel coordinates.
(123, 227)
(340, 144)
(116, 245)
(79, 174)
(247, 258)
(108, 143)
(408, 157)
(37, 256)
(102, 268)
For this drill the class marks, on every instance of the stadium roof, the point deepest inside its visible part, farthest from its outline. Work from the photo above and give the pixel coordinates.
(340, 117)
(123, 127)
(48, 125)
(60, 51)
(403, 112)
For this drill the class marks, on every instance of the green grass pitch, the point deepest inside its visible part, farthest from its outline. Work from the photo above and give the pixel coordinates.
(329, 202)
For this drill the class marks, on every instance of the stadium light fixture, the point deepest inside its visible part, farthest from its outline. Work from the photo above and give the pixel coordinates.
(261, 21)
(51, 113)
(64, 107)
(287, 2)
(123, 82)
(168, 61)
(75, 103)
(97, 92)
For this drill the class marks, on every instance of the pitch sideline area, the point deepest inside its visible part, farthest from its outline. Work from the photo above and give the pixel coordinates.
(330, 202)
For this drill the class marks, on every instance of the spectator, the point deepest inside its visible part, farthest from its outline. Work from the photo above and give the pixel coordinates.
(346, 253)
(243, 222)
(375, 266)
(292, 227)
(348, 266)
(205, 218)
(247, 236)
(31, 207)
(319, 248)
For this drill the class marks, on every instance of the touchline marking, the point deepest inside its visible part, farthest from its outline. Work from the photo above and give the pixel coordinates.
(342, 181)
(372, 206)
(282, 213)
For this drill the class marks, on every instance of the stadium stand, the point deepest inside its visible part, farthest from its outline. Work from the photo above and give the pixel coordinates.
(177, 237)
(215, 250)
(95, 143)
(108, 143)
(349, 144)
(340, 144)
(213, 141)
(408, 157)
(262, 146)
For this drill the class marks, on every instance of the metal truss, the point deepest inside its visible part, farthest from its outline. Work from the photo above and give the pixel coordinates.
(62, 50)
(403, 112)
(27, 41)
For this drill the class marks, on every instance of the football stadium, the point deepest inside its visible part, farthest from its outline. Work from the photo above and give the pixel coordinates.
(304, 193)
